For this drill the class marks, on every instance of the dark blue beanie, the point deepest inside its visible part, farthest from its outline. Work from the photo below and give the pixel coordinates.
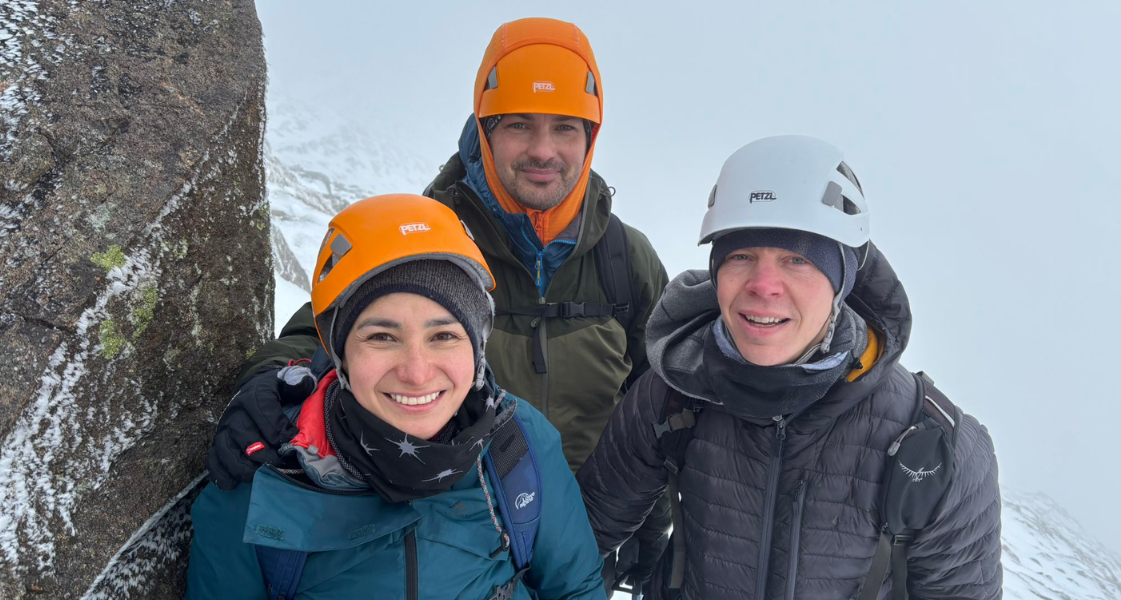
(826, 254)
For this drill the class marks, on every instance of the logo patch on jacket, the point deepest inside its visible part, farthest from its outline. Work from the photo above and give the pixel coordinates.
(918, 476)
(524, 499)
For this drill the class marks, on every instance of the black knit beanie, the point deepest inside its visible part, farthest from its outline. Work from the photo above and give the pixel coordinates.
(839, 267)
(441, 281)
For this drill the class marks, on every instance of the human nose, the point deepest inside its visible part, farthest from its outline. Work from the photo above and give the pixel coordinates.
(765, 280)
(541, 145)
(415, 368)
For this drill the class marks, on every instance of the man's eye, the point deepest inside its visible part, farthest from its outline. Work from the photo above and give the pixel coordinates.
(798, 260)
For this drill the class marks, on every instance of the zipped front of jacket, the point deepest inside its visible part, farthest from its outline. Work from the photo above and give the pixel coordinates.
(773, 472)
(412, 571)
(795, 538)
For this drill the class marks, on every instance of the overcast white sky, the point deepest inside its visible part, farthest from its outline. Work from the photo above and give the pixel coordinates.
(985, 134)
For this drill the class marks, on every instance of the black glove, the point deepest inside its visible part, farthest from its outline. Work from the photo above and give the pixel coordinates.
(638, 557)
(636, 562)
(255, 424)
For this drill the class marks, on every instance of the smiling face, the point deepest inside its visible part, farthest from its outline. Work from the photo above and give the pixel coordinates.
(409, 362)
(538, 158)
(775, 303)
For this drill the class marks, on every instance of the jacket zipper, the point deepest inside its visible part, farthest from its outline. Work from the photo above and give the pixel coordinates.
(769, 509)
(411, 576)
(795, 538)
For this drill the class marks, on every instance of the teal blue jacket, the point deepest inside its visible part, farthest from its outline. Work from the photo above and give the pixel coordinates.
(357, 543)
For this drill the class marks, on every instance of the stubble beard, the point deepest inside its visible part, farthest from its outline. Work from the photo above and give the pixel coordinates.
(537, 197)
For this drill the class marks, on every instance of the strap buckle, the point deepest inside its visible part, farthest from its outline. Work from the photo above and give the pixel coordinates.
(571, 309)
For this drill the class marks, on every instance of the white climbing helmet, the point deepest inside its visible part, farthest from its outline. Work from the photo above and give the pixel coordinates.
(788, 182)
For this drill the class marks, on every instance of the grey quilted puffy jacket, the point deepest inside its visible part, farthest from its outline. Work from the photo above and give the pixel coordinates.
(791, 512)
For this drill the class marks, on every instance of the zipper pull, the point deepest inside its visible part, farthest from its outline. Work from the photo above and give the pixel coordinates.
(899, 440)
(780, 422)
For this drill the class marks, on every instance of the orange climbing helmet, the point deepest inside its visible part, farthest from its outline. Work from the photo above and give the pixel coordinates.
(378, 233)
(539, 65)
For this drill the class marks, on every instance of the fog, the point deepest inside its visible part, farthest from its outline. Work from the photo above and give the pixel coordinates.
(985, 136)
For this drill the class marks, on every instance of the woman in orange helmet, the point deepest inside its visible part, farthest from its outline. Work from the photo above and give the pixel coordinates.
(413, 474)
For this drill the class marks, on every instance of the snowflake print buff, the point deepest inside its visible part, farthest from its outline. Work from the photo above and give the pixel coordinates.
(400, 466)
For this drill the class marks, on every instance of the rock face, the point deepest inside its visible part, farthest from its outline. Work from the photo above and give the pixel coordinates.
(135, 275)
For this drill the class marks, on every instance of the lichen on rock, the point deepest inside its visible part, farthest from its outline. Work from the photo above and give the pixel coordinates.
(130, 169)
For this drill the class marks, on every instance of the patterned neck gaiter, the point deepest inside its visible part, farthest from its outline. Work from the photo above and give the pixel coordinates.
(398, 466)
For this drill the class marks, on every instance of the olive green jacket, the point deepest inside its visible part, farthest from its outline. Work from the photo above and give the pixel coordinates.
(589, 359)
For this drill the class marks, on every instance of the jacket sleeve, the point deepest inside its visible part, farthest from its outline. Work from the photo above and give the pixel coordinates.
(222, 566)
(958, 556)
(650, 281)
(565, 562)
(298, 339)
(626, 473)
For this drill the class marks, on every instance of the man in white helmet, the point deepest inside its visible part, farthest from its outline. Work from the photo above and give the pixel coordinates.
(804, 460)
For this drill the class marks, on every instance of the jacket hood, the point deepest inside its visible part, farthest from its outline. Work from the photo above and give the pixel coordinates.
(529, 53)
(681, 325)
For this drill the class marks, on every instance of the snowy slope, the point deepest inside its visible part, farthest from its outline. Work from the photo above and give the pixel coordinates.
(317, 164)
(1048, 556)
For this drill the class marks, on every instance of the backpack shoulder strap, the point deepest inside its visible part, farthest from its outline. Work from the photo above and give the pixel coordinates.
(679, 417)
(511, 461)
(919, 470)
(613, 262)
(281, 570)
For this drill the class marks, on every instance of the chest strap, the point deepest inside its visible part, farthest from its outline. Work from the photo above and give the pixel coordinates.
(559, 310)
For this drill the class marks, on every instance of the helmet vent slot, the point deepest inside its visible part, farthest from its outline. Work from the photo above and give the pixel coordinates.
(590, 87)
(339, 247)
(844, 169)
(492, 79)
(850, 207)
(327, 266)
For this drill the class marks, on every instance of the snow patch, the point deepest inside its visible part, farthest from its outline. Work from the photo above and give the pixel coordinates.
(28, 39)
(159, 541)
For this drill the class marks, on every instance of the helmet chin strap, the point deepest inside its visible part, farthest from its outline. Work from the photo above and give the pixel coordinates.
(480, 371)
(835, 313)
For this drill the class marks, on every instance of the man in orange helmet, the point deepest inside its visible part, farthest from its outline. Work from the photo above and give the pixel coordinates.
(575, 286)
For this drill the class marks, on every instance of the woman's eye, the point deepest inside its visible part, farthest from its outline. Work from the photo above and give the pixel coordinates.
(445, 336)
(379, 337)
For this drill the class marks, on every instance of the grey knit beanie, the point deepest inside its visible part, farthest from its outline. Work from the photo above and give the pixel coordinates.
(438, 280)
(826, 254)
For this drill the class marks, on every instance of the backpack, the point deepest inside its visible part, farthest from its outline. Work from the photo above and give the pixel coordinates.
(918, 473)
(512, 461)
(613, 263)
